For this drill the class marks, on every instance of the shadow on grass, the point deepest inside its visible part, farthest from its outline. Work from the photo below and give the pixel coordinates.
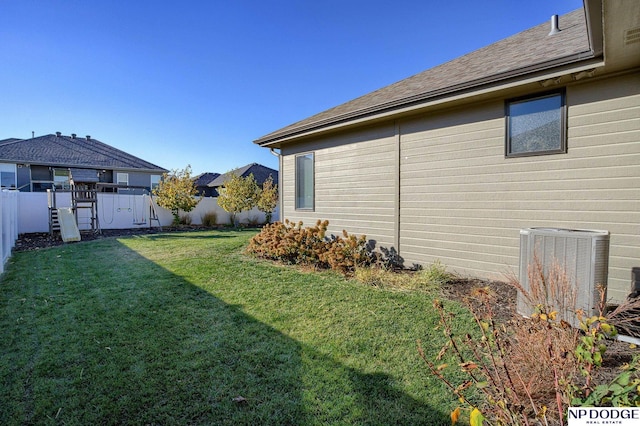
(142, 346)
(197, 235)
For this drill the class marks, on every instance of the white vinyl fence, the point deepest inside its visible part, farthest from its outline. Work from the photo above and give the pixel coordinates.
(8, 224)
(118, 211)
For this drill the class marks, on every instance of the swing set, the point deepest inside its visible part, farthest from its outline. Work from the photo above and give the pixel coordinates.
(136, 204)
(86, 197)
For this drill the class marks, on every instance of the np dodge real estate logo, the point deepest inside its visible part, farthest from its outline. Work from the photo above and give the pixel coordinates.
(603, 416)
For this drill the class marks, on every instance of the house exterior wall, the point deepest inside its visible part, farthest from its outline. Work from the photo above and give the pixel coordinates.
(604, 126)
(452, 190)
(41, 177)
(355, 183)
(138, 179)
(439, 187)
(463, 202)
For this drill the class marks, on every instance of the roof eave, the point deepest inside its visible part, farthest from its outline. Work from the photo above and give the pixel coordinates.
(549, 69)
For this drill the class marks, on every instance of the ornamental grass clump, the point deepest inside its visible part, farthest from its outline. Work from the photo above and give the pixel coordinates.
(429, 279)
(210, 219)
(291, 243)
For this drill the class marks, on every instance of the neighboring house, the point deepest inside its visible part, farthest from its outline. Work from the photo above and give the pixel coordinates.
(45, 162)
(201, 182)
(541, 129)
(209, 188)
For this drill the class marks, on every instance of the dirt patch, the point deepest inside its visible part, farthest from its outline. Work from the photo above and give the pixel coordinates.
(40, 240)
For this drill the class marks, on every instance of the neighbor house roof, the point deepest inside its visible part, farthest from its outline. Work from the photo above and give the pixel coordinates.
(260, 173)
(203, 179)
(71, 151)
(524, 53)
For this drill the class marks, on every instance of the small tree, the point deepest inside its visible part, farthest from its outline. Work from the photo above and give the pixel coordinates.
(177, 191)
(268, 198)
(238, 194)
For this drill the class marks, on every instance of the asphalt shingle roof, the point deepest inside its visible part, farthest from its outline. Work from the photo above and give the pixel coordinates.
(513, 56)
(67, 151)
(203, 179)
(9, 140)
(260, 173)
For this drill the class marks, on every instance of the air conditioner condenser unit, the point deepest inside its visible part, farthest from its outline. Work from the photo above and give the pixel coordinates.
(579, 258)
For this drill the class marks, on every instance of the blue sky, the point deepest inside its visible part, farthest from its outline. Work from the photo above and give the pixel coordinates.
(195, 82)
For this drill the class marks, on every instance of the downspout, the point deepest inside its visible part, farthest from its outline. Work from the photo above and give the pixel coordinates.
(397, 195)
(279, 155)
(593, 16)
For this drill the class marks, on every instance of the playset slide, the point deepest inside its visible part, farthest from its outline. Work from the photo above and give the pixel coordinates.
(68, 226)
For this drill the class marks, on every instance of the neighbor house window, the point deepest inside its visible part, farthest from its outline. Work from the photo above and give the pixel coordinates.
(304, 182)
(536, 125)
(122, 178)
(61, 179)
(155, 181)
(8, 175)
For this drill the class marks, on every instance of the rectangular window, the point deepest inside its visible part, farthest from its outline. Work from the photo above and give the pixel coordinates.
(8, 176)
(122, 179)
(155, 181)
(536, 125)
(61, 179)
(304, 182)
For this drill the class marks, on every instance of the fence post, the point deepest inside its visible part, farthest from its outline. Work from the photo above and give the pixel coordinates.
(8, 224)
(14, 218)
(3, 202)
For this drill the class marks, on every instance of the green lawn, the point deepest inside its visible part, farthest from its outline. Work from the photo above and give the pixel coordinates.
(183, 328)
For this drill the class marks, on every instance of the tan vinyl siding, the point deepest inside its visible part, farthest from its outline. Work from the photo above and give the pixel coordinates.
(355, 183)
(438, 186)
(463, 202)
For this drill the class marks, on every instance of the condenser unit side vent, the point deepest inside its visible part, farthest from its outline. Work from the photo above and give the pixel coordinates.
(581, 256)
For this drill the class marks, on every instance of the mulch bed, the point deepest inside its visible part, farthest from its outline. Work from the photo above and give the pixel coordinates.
(618, 352)
(40, 240)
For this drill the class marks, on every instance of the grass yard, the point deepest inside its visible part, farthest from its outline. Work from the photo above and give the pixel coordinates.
(183, 328)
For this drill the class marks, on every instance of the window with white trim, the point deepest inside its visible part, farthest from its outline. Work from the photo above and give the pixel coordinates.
(305, 182)
(122, 178)
(155, 181)
(536, 125)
